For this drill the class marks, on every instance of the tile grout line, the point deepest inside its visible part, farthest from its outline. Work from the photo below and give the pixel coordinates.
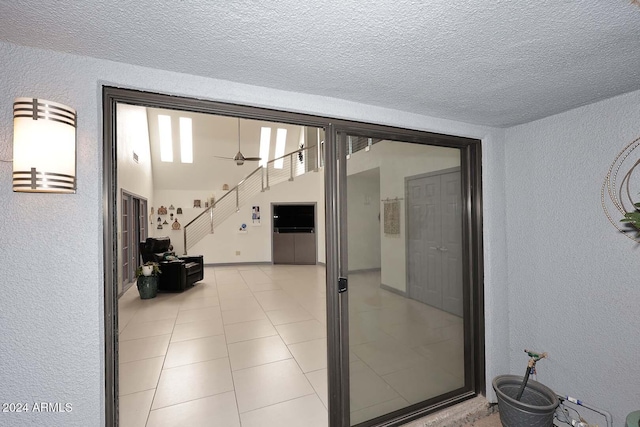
(155, 390)
(233, 381)
(297, 364)
(162, 369)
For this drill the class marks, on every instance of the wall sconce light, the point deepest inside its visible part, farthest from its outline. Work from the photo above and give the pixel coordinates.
(44, 146)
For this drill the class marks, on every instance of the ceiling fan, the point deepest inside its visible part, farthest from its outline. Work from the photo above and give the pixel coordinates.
(240, 158)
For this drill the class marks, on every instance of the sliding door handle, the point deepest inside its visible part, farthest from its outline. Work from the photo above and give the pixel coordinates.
(342, 284)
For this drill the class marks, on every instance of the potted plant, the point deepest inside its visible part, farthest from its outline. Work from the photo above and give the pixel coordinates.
(147, 279)
(147, 269)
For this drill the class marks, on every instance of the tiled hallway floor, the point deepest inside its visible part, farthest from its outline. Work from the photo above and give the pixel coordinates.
(247, 347)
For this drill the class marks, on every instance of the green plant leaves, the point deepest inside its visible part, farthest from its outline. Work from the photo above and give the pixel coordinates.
(633, 219)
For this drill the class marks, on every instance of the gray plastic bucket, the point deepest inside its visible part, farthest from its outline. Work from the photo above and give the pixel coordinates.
(535, 409)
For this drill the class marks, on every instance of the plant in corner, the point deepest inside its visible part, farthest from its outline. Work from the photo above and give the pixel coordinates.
(147, 279)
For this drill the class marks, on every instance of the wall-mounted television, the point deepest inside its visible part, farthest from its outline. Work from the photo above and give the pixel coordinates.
(294, 218)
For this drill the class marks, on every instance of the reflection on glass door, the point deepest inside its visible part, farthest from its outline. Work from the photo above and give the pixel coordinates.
(405, 274)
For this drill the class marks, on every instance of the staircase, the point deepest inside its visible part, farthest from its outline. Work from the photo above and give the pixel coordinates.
(285, 168)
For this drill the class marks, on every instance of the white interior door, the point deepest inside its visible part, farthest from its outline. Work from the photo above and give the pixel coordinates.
(451, 247)
(435, 240)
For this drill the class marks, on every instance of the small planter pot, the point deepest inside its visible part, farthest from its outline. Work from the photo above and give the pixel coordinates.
(147, 287)
(147, 270)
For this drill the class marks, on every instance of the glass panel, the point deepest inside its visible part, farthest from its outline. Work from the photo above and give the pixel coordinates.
(143, 222)
(166, 139)
(134, 236)
(125, 240)
(404, 226)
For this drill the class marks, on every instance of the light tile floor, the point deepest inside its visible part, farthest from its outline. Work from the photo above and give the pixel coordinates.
(247, 347)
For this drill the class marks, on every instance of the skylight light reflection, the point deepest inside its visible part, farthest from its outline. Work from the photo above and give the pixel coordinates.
(265, 142)
(166, 141)
(186, 140)
(281, 139)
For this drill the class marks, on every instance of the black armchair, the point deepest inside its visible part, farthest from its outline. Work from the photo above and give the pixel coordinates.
(178, 273)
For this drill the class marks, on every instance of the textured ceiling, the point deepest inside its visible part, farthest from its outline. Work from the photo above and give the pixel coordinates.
(493, 62)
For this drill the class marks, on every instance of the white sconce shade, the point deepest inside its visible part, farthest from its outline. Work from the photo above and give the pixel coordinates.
(44, 146)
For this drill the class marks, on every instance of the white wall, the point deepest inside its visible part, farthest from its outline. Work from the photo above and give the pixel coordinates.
(573, 279)
(363, 220)
(52, 345)
(179, 199)
(255, 244)
(134, 177)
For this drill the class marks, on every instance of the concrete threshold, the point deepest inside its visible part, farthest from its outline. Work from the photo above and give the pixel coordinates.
(460, 415)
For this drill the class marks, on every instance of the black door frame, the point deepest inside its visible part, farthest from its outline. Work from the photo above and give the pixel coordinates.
(334, 208)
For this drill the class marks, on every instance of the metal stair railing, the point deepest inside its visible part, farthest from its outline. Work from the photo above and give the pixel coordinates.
(282, 169)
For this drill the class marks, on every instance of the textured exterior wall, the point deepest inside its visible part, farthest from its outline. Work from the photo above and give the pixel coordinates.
(573, 280)
(496, 285)
(51, 257)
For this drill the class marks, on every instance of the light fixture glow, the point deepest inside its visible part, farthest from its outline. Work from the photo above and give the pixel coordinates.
(186, 140)
(265, 142)
(281, 139)
(166, 139)
(44, 146)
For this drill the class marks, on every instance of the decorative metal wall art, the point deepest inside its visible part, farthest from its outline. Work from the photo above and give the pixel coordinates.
(618, 193)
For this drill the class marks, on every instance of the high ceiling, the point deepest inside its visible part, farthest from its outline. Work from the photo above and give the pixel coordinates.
(213, 136)
(492, 62)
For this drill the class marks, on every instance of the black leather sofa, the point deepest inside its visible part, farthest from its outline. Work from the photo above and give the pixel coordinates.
(178, 273)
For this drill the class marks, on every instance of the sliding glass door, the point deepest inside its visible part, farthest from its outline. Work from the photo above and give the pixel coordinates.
(403, 246)
(405, 288)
